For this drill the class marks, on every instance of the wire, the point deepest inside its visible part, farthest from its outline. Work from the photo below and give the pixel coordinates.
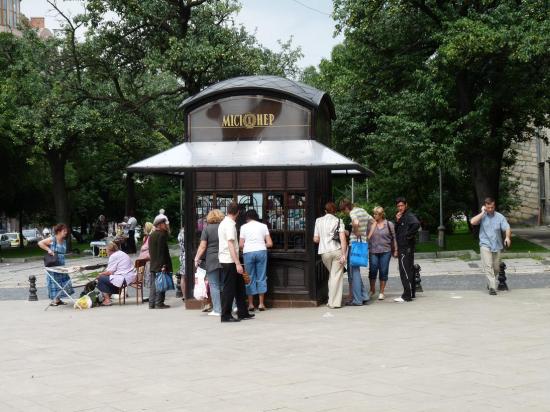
(311, 8)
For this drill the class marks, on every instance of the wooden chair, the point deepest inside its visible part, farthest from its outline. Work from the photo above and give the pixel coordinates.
(139, 264)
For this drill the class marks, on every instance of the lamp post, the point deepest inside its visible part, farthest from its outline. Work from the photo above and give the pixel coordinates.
(441, 228)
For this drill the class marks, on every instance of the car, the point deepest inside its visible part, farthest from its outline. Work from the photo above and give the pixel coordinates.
(5, 242)
(33, 235)
(14, 239)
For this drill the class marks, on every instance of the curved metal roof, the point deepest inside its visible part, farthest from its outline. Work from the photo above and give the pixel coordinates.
(278, 85)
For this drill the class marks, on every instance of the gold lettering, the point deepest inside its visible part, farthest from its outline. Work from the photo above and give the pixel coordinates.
(271, 118)
(259, 121)
(248, 120)
(226, 121)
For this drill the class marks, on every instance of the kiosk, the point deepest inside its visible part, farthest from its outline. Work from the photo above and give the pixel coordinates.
(260, 141)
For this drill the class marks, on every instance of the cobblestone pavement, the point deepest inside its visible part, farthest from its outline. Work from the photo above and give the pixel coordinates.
(447, 351)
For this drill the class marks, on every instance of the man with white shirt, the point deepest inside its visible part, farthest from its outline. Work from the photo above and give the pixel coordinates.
(232, 270)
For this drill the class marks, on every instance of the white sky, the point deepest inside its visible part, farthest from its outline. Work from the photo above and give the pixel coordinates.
(272, 20)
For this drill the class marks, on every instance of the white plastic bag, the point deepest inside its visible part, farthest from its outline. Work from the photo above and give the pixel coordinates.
(85, 302)
(200, 291)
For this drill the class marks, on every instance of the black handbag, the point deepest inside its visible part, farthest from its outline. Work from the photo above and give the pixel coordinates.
(50, 260)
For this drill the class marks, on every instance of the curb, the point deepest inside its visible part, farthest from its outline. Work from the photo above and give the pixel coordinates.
(35, 258)
(475, 256)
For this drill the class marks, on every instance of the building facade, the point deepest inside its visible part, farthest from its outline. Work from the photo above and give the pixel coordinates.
(531, 174)
(10, 15)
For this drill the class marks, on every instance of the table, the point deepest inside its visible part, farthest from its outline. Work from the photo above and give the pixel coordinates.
(101, 246)
(74, 272)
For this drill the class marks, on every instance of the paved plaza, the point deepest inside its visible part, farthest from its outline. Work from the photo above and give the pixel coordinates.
(447, 351)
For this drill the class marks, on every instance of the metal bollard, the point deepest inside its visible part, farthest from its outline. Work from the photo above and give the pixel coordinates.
(417, 279)
(32, 289)
(179, 294)
(502, 277)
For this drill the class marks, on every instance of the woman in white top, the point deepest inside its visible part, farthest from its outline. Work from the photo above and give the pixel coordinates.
(254, 240)
(333, 252)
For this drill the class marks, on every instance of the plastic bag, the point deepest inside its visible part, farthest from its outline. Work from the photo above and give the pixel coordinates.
(85, 302)
(359, 254)
(200, 292)
(164, 281)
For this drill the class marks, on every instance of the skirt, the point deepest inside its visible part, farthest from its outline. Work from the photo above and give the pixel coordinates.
(64, 281)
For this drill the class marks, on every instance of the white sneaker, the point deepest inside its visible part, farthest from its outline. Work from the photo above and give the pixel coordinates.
(214, 313)
(235, 310)
(399, 300)
(381, 296)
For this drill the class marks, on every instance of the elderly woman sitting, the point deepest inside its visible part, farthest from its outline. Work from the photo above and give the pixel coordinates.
(120, 271)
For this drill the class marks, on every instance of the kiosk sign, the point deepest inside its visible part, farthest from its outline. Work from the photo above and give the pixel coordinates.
(249, 118)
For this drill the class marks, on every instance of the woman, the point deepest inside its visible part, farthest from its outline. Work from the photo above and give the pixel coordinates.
(181, 242)
(333, 252)
(120, 272)
(144, 253)
(57, 245)
(254, 241)
(208, 248)
(381, 237)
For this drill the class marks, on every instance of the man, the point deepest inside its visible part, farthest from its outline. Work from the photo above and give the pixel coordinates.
(359, 222)
(232, 270)
(405, 232)
(493, 224)
(131, 225)
(160, 259)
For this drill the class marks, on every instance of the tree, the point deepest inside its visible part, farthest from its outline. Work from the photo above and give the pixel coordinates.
(428, 84)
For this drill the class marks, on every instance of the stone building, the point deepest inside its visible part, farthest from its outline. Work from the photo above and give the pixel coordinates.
(10, 15)
(532, 176)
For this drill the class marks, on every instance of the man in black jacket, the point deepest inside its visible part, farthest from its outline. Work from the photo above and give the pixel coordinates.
(405, 232)
(160, 259)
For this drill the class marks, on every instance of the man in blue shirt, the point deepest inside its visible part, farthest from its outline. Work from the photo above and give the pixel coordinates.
(492, 225)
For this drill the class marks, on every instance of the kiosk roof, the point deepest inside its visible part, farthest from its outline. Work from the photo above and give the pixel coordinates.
(235, 155)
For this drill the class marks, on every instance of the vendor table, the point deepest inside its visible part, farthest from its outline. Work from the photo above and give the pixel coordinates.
(75, 273)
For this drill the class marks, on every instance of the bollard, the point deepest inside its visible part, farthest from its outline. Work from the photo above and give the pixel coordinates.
(502, 277)
(417, 280)
(32, 289)
(178, 285)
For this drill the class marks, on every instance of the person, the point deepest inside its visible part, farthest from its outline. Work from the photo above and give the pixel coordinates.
(131, 226)
(100, 229)
(405, 233)
(492, 225)
(144, 254)
(181, 242)
(57, 245)
(254, 241)
(160, 260)
(207, 258)
(381, 237)
(120, 272)
(333, 252)
(46, 233)
(359, 221)
(228, 255)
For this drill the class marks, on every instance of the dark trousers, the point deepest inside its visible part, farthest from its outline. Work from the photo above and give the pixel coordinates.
(131, 242)
(155, 298)
(233, 288)
(406, 272)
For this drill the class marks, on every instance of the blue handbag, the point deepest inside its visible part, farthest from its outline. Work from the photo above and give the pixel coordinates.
(359, 254)
(164, 281)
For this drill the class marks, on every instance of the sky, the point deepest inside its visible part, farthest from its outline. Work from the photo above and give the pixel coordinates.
(307, 21)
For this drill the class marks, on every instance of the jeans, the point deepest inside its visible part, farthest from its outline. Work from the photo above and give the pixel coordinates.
(379, 264)
(358, 292)
(214, 283)
(255, 264)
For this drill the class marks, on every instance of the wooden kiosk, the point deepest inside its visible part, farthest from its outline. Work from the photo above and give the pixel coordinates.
(260, 141)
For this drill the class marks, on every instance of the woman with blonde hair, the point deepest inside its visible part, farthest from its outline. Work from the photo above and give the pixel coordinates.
(120, 271)
(208, 248)
(381, 237)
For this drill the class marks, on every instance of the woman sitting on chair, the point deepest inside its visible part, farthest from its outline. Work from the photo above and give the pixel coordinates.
(120, 272)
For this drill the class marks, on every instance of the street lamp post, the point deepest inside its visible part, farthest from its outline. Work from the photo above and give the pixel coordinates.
(441, 228)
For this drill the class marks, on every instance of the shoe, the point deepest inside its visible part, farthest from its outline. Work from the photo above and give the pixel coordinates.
(381, 296)
(231, 319)
(235, 310)
(145, 300)
(492, 292)
(367, 302)
(348, 303)
(207, 308)
(162, 306)
(261, 308)
(107, 304)
(251, 309)
(371, 293)
(399, 300)
(152, 307)
(61, 303)
(249, 316)
(214, 313)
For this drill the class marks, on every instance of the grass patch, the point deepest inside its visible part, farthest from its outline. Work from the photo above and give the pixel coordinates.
(466, 241)
(34, 250)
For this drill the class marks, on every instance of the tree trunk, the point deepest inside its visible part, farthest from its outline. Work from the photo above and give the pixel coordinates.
(486, 177)
(130, 195)
(61, 200)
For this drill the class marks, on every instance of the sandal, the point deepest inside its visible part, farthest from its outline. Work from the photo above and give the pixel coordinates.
(251, 309)
(54, 304)
(61, 303)
(107, 304)
(261, 308)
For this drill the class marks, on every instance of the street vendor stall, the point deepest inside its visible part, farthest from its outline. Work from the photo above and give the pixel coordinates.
(260, 141)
